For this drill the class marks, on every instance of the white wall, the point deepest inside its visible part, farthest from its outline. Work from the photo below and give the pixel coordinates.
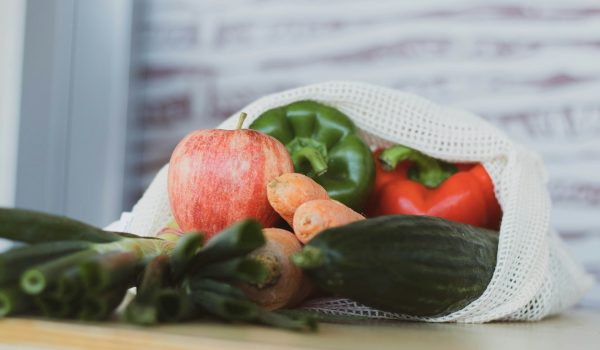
(12, 13)
(530, 67)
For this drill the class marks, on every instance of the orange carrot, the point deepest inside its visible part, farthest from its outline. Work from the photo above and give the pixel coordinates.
(317, 215)
(286, 284)
(288, 191)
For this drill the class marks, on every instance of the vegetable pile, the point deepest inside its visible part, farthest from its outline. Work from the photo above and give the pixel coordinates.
(393, 229)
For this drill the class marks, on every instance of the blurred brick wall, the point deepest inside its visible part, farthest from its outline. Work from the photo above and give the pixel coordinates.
(532, 70)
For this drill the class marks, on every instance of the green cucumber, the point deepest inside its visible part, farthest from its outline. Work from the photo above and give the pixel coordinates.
(413, 265)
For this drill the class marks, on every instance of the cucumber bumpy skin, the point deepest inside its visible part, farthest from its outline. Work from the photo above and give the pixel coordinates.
(413, 265)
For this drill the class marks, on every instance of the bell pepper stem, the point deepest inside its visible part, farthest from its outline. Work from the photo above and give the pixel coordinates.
(429, 171)
(314, 158)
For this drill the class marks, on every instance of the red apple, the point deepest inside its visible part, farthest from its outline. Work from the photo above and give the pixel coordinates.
(218, 177)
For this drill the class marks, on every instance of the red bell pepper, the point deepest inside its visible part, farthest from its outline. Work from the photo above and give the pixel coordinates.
(409, 182)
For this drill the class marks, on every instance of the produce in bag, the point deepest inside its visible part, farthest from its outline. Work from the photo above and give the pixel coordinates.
(534, 275)
(313, 217)
(289, 191)
(409, 182)
(306, 206)
(285, 284)
(324, 145)
(414, 265)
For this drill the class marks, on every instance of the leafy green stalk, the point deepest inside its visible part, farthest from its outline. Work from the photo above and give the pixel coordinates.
(15, 261)
(98, 307)
(185, 248)
(110, 269)
(228, 302)
(237, 240)
(143, 308)
(35, 280)
(239, 269)
(174, 305)
(156, 276)
(102, 265)
(141, 313)
(36, 227)
(195, 283)
(74, 270)
(225, 307)
(280, 320)
(53, 307)
(13, 301)
(68, 285)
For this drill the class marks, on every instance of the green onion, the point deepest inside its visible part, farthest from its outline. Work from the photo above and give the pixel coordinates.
(35, 227)
(224, 306)
(173, 306)
(98, 307)
(279, 320)
(110, 269)
(68, 286)
(240, 269)
(143, 308)
(13, 301)
(144, 314)
(237, 240)
(210, 285)
(155, 277)
(14, 262)
(74, 270)
(186, 247)
(35, 280)
(52, 307)
(226, 302)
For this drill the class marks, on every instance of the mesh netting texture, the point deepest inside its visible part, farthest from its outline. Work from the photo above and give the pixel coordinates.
(535, 276)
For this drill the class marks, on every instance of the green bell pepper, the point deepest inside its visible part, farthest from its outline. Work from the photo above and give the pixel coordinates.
(324, 145)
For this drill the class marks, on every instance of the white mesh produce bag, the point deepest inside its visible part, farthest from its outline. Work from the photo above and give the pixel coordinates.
(535, 276)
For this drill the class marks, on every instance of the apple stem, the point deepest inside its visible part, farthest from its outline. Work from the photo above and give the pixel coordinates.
(241, 120)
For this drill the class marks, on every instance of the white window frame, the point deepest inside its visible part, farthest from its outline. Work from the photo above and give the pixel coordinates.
(74, 108)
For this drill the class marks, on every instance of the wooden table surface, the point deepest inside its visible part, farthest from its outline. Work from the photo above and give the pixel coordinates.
(575, 329)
